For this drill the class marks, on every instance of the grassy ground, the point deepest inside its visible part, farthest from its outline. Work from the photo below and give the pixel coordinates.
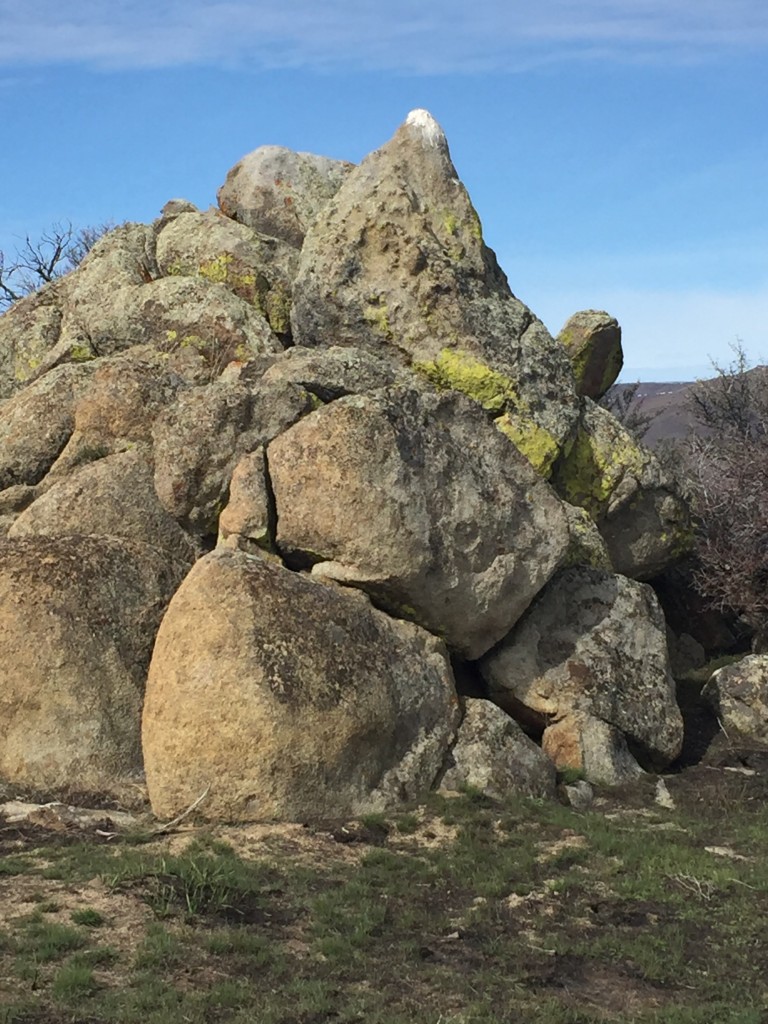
(463, 911)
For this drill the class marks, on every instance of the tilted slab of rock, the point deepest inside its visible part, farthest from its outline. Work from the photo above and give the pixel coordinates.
(738, 695)
(590, 662)
(78, 617)
(492, 754)
(199, 440)
(112, 497)
(179, 312)
(592, 339)
(333, 372)
(397, 261)
(285, 698)
(258, 269)
(279, 192)
(420, 501)
(247, 522)
(619, 481)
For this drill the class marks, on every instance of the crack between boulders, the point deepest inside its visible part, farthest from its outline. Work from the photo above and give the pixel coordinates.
(271, 505)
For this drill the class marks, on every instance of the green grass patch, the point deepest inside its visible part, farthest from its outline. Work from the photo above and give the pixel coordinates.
(469, 910)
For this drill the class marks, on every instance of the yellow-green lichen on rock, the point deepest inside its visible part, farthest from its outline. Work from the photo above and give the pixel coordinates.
(457, 370)
(601, 469)
(586, 546)
(532, 440)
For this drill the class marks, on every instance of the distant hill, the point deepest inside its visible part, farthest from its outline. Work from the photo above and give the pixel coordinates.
(668, 407)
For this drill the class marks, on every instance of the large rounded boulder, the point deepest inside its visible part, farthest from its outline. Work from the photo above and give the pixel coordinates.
(417, 499)
(281, 697)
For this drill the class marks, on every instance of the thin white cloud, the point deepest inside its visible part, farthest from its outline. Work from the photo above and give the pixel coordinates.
(403, 35)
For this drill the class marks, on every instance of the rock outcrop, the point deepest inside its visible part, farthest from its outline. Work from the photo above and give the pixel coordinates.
(620, 483)
(592, 339)
(397, 261)
(279, 192)
(493, 755)
(318, 427)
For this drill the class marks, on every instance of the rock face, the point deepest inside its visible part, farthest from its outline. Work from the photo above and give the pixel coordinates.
(286, 698)
(113, 497)
(397, 262)
(588, 664)
(645, 525)
(256, 268)
(325, 404)
(78, 617)
(492, 754)
(419, 501)
(279, 192)
(28, 331)
(592, 340)
(36, 425)
(738, 695)
(199, 440)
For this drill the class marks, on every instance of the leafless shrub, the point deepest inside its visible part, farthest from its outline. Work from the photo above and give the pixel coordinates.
(728, 467)
(36, 262)
(622, 401)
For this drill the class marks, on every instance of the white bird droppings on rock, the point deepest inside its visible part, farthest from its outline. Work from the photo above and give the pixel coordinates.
(427, 126)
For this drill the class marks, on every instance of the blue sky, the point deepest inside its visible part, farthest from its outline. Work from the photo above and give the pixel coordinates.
(616, 150)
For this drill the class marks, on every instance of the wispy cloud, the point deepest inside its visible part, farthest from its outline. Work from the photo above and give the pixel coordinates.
(429, 36)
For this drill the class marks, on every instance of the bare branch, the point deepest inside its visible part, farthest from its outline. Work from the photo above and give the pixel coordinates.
(37, 262)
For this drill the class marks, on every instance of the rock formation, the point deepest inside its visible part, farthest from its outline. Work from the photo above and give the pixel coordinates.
(311, 451)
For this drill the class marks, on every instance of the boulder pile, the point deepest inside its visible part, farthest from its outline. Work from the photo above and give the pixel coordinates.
(302, 509)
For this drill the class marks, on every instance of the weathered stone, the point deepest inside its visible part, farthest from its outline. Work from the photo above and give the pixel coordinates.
(174, 207)
(589, 662)
(492, 754)
(592, 339)
(333, 372)
(587, 546)
(178, 313)
(124, 396)
(281, 697)
(256, 268)
(738, 695)
(248, 521)
(202, 436)
(36, 424)
(596, 748)
(645, 525)
(14, 500)
(397, 262)
(78, 617)
(113, 497)
(685, 653)
(418, 499)
(28, 331)
(279, 192)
